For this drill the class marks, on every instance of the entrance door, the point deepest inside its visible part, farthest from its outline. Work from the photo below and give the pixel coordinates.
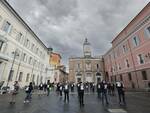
(89, 78)
(78, 79)
(98, 79)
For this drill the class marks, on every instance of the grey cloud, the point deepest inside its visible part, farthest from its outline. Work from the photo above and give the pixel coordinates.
(63, 24)
(59, 8)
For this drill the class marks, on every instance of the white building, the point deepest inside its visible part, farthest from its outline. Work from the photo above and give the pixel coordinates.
(23, 56)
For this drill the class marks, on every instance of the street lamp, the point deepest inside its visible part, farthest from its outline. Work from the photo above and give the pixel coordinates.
(18, 67)
(11, 70)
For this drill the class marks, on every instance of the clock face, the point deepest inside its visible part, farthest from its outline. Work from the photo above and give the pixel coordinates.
(86, 48)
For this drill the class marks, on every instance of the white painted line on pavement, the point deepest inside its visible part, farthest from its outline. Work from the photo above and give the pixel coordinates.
(117, 111)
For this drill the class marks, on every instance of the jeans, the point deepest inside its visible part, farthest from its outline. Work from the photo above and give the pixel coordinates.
(28, 97)
(66, 96)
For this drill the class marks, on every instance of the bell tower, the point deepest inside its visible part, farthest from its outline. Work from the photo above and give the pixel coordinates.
(87, 48)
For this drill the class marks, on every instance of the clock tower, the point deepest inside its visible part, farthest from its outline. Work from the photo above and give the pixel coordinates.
(87, 48)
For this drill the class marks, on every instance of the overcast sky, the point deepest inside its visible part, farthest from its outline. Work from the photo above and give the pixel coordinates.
(64, 24)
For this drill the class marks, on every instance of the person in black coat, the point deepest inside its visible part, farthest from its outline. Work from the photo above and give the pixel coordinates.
(72, 87)
(66, 92)
(61, 89)
(45, 87)
(81, 94)
(99, 90)
(41, 87)
(104, 92)
(121, 92)
(112, 89)
(48, 87)
(78, 88)
(29, 90)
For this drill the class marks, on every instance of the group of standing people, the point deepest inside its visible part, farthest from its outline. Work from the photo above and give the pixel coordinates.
(43, 88)
(64, 87)
(103, 90)
(28, 90)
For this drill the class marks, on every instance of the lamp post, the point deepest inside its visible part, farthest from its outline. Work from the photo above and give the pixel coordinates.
(34, 61)
(18, 67)
(11, 70)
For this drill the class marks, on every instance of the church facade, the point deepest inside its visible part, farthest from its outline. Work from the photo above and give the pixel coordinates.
(86, 68)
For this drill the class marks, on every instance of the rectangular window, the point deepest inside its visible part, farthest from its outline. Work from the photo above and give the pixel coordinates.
(10, 77)
(129, 76)
(18, 53)
(121, 79)
(97, 66)
(136, 41)
(19, 36)
(78, 66)
(148, 29)
(1, 44)
(23, 57)
(119, 67)
(125, 48)
(20, 76)
(33, 77)
(6, 27)
(30, 60)
(147, 32)
(37, 49)
(144, 75)
(141, 58)
(127, 63)
(28, 43)
(27, 78)
(32, 47)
